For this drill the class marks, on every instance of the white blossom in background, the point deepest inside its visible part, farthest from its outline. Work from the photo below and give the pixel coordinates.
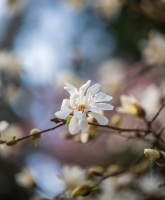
(83, 103)
(73, 176)
(153, 50)
(9, 63)
(3, 125)
(150, 98)
(117, 68)
(108, 8)
(25, 178)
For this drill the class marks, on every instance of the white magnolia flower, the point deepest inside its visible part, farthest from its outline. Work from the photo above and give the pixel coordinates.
(25, 178)
(154, 49)
(84, 102)
(73, 176)
(3, 125)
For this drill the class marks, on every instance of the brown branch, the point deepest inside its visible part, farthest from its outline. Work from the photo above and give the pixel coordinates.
(137, 160)
(158, 112)
(56, 120)
(38, 133)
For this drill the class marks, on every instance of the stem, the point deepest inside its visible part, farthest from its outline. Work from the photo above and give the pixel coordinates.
(137, 160)
(158, 112)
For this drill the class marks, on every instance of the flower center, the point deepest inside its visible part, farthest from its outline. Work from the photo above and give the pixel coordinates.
(81, 108)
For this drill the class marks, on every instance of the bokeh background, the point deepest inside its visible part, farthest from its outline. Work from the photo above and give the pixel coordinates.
(43, 43)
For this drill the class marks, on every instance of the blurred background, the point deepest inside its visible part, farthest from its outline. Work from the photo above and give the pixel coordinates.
(43, 43)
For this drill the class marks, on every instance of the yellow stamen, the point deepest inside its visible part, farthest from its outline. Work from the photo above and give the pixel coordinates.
(81, 108)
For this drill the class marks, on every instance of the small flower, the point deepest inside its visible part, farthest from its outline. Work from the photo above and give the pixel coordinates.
(73, 177)
(131, 106)
(35, 137)
(83, 103)
(25, 178)
(154, 49)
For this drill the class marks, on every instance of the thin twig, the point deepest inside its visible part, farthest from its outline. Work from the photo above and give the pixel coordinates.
(106, 126)
(158, 112)
(38, 133)
(137, 160)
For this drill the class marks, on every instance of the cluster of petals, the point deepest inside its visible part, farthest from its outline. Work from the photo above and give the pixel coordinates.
(82, 103)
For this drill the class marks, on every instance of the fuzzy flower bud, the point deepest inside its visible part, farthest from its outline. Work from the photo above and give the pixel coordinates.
(157, 156)
(35, 136)
(95, 171)
(12, 141)
(82, 190)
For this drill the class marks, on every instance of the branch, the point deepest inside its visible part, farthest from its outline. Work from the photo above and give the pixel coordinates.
(158, 112)
(137, 160)
(56, 120)
(38, 133)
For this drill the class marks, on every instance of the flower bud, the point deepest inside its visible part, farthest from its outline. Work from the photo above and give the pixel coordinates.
(95, 171)
(82, 190)
(131, 106)
(12, 141)
(35, 136)
(157, 156)
(152, 154)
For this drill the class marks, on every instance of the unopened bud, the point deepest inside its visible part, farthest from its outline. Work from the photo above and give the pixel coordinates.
(12, 141)
(131, 106)
(35, 136)
(95, 171)
(152, 154)
(157, 156)
(82, 190)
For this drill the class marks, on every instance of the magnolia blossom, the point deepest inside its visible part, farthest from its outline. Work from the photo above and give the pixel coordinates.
(130, 106)
(154, 49)
(25, 178)
(73, 176)
(83, 103)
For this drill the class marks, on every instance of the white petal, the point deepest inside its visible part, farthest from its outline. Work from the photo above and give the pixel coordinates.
(100, 96)
(94, 89)
(84, 137)
(85, 86)
(103, 106)
(79, 114)
(73, 126)
(102, 120)
(83, 124)
(74, 95)
(3, 125)
(108, 98)
(95, 109)
(65, 103)
(63, 114)
(70, 88)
